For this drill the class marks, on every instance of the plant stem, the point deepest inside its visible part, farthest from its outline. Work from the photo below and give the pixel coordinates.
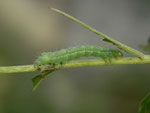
(107, 38)
(79, 63)
(14, 69)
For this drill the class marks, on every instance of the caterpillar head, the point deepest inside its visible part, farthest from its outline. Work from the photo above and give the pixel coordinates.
(41, 59)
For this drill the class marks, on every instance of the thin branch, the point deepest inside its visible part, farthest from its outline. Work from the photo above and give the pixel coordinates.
(79, 63)
(107, 38)
(15, 69)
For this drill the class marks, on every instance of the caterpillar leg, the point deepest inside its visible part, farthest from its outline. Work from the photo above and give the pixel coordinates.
(57, 66)
(48, 67)
(60, 65)
(107, 60)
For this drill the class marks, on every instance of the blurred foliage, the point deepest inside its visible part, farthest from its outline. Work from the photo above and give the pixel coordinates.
(147, 46)
(145, 105)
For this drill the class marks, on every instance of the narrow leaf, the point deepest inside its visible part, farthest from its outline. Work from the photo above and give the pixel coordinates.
(106, 38)
(37, 79)
(145, 105)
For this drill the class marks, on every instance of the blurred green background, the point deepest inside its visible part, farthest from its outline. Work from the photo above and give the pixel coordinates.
(29, 27)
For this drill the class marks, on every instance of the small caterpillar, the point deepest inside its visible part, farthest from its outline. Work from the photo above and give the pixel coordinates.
(63, 56)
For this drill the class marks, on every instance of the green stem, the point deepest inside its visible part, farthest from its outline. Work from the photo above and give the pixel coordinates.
(107, 38)
(80, 63)
(14, 69)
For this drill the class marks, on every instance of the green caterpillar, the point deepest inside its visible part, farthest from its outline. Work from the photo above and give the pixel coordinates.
(65, 55)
